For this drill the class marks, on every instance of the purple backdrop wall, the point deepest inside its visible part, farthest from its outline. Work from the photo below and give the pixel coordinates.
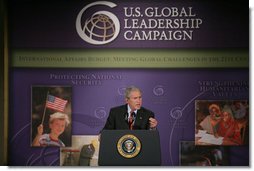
(171, 94)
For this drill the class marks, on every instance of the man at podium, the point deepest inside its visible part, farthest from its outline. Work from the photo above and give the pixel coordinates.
(131, 115)
(120, 146)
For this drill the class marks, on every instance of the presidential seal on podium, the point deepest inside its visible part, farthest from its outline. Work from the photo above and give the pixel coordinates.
(128, 146)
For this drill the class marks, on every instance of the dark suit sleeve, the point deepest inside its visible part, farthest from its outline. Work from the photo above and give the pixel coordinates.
(151, 115)
(110, 124)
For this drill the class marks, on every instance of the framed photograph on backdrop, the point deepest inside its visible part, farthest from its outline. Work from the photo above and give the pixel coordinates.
(222, 122)
(51, 116)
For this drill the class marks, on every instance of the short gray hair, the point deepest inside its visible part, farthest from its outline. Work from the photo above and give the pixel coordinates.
(129, 89)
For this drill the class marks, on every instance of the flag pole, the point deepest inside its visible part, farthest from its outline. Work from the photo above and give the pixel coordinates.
(43, 117)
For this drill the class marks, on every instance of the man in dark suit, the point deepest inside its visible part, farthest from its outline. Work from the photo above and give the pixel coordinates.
(131, 115)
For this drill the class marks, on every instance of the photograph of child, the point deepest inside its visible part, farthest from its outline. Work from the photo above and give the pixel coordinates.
(57, 124)
(51, 116)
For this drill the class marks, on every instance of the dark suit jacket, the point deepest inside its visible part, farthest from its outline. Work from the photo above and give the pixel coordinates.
(118, 118)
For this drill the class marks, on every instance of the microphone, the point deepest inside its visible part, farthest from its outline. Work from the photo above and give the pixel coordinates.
(126, 117)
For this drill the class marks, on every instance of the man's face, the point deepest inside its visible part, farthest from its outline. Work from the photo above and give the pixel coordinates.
(57, 126)
(135, 100)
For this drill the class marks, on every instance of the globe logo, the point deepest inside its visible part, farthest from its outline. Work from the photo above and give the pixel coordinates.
(176, 113)
(121, 90)
(101, 28)
(100, 112)
(158, 90)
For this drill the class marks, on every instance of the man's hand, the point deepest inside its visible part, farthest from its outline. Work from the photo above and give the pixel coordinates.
(153, 122)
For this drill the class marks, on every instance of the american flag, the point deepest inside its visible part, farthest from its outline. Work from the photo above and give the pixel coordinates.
(55, 103)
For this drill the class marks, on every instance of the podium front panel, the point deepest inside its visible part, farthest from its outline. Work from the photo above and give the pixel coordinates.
(149, 155)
